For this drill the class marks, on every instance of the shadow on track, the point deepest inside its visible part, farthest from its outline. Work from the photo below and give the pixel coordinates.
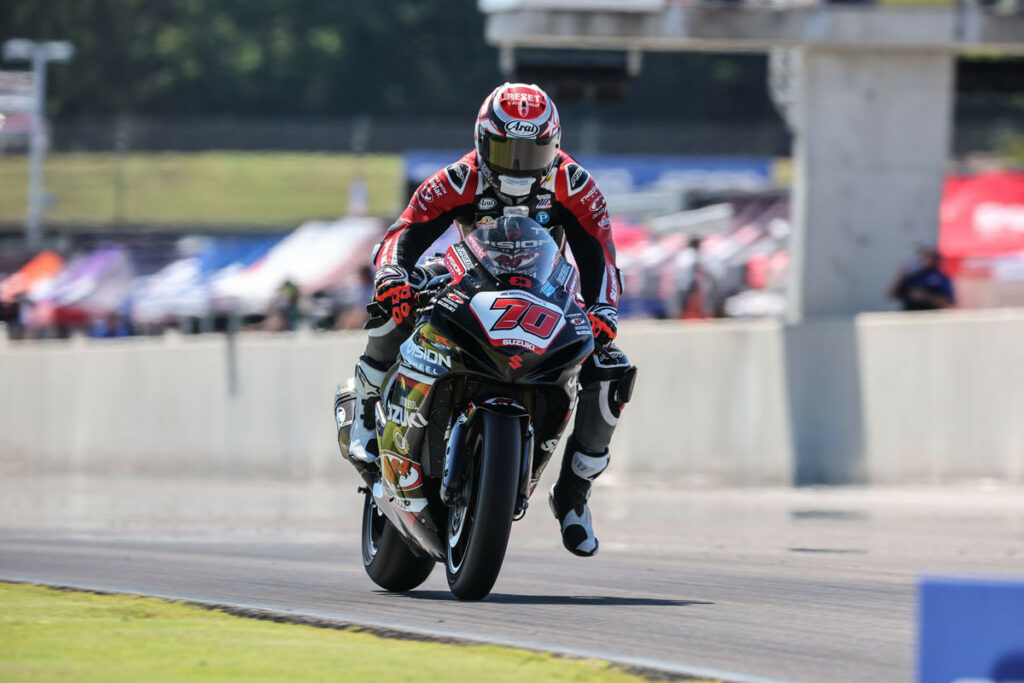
(588, 600)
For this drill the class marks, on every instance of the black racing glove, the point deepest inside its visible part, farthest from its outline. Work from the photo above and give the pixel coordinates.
(604, 321)
(392, 292)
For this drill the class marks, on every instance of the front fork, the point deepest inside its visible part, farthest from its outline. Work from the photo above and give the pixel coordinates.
(456, 455)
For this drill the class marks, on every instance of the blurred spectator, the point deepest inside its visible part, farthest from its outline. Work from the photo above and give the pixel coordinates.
(921, 286)
(285, 313)
(110, 326)
(694, 282)
(353, 302)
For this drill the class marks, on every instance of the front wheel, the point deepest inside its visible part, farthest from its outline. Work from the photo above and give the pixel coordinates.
(478, 528)
(386, 557)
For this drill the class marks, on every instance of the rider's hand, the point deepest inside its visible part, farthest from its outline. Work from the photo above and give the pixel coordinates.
(604, 320)
(392, 292)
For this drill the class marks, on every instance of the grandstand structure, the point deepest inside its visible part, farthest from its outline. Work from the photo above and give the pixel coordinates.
(867, 90)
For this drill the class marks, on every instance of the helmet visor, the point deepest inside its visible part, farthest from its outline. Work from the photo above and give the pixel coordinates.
(517, 157)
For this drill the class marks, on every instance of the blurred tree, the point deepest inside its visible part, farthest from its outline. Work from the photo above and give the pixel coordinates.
(271, 57)
(331, 58)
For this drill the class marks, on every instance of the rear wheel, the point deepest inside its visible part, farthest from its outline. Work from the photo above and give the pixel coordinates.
(478, 528)
(386, 557)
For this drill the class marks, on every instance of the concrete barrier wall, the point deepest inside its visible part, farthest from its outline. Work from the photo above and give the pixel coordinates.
(886, 398)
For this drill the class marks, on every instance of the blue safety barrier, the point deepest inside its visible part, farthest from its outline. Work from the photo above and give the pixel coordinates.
(971, 630)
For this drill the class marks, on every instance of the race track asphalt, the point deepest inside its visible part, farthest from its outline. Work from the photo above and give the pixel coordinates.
(745, 584)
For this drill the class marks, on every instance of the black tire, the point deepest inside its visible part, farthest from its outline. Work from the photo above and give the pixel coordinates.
(386, 557)
(476, 551)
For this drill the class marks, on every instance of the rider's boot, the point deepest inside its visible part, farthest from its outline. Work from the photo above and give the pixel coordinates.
(362, 444)
(568, 497)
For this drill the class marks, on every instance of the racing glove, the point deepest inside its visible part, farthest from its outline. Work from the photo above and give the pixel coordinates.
(392, 292)
(604, 321)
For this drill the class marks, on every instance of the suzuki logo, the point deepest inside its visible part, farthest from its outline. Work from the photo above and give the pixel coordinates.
(515, 362)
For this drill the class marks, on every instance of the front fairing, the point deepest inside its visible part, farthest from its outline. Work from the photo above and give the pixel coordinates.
(519, 332)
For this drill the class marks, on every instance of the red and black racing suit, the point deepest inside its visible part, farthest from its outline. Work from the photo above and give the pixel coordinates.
(570, 205)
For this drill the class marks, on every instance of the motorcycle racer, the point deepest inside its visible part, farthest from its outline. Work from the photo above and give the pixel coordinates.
(516, 169)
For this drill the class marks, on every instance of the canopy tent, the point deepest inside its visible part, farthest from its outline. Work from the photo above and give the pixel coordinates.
(982, 216)
(361, 235)
(93, 285)
(43, 267)
(316, 255)
(182, 288)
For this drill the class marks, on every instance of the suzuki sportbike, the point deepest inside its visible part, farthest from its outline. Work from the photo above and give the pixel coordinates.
(472, 410)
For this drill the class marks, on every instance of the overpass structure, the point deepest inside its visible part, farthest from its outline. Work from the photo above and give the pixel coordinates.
(867, 91)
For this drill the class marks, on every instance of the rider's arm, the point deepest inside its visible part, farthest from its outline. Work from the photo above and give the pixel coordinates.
(433, 207)
(589, 233)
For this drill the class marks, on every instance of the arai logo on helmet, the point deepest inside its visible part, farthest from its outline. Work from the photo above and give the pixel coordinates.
(521, 129)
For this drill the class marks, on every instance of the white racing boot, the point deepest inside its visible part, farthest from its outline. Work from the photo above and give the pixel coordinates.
(569, 496)
(362, 444)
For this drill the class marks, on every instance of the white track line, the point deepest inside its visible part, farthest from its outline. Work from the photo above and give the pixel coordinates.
(336, 619)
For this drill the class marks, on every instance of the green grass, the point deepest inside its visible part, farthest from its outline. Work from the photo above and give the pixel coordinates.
(215, 188)
(56, 635)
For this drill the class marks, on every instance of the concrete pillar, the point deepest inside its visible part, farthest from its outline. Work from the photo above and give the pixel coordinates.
(871, 144)
(872, 138)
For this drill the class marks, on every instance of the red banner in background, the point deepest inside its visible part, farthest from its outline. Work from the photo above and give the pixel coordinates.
(982, 216)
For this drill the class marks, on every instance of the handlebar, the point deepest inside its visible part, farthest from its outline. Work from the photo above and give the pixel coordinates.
(426, 292)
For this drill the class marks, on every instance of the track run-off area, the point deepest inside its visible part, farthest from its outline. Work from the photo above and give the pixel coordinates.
(738, 584)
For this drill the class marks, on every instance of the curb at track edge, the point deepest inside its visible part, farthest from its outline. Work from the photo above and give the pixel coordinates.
(652, 669)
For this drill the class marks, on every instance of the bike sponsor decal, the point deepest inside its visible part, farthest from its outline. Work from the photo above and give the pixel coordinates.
(486, 203)
(425, 360)
(564, 271)
(576, 177)
(454, 265)
(401, 472)
(399, 439)
(520, 281)
(521, 129)
(549, 445)
(459, 297)
(458, 174)
(403, 417)
(580, 323)
(543, 217)
(515, 362)
(409, 386)
(517, 318)
(485, 221)
(474, 243)
(544, 201)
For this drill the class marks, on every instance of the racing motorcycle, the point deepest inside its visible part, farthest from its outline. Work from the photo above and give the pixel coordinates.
(472, 410)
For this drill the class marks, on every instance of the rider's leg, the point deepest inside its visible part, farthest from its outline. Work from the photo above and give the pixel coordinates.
(382, 347)
(385, 339)
(607, 381)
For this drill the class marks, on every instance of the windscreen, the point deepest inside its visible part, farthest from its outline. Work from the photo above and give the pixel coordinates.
(520, 251)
